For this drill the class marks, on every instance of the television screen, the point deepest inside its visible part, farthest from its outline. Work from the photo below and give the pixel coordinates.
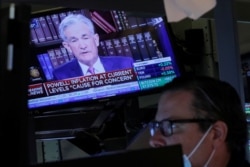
(74, 63)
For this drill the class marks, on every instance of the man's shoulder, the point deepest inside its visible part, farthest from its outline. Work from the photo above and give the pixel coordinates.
(67, 65)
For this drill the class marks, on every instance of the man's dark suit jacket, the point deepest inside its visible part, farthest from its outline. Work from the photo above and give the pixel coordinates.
(110, 63)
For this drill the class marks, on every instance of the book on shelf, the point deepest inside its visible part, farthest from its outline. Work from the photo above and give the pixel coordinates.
(70, 54)
(102, 49)
(141, 22)
(142, 46)
(117, 22)
(59, 56)
(56, 21)
(62, 15)
(49, 64)
(100, 24)
(151, 21)
(160, 29)
(135, 22)
(33, 36)
(104, 18)
(132, 21)
(53, 58)
(35, 24)
(46, 29)
(51, 27)
(64, 52)
(44, 67)
(151, 45)
(110, 47)
(123, 19)
(74, 12)
(134, 48)
(126, 47)
(118, 47)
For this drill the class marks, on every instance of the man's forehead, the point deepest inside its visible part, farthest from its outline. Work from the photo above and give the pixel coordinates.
(175, 104)
(177, 95)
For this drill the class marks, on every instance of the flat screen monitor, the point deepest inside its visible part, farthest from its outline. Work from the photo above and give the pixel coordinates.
(137, 56)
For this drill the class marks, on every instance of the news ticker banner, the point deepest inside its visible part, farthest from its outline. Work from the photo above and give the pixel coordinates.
(81, 83)
(83, 95)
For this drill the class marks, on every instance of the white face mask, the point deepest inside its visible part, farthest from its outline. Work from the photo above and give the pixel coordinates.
(186, 158)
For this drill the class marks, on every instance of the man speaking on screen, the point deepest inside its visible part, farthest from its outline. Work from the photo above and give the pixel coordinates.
(81, 40)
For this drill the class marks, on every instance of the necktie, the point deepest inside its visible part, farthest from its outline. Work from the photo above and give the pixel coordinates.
(91, 70)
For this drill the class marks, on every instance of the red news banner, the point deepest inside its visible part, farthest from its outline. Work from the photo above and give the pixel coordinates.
(81, 83)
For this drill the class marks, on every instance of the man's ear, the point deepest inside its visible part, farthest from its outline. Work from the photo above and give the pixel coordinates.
(65, 44)
(220, 130)
(97, 39)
